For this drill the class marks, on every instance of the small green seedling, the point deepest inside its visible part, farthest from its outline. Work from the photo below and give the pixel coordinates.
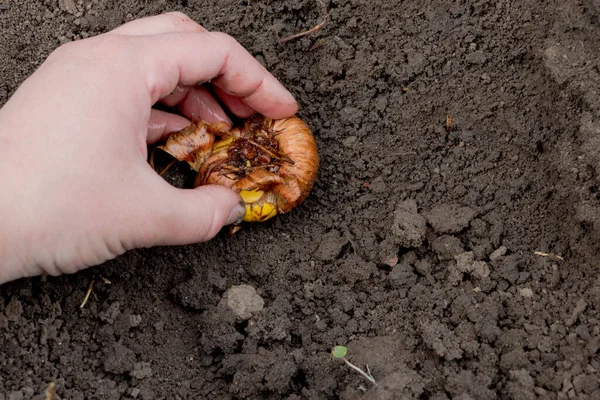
(341, 351)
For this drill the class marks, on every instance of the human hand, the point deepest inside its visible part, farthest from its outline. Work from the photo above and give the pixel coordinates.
(76, 186)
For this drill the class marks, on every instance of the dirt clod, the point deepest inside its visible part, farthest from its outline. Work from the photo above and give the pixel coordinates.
(441, 340)
(243, 300)
(447, 247)
(408, 226)
(449, 218)
(417, 247)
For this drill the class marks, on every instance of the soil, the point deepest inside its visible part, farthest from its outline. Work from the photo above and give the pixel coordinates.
(457, 261)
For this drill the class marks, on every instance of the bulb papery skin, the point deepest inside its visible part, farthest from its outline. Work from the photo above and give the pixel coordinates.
(272, 164)
(194, 143)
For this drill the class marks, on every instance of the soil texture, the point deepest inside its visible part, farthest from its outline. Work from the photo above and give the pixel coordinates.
(457, 260)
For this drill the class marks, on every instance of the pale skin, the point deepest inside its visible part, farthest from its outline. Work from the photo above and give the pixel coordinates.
(77, 189)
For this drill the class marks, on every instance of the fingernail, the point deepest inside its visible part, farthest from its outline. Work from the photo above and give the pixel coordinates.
(237, 214)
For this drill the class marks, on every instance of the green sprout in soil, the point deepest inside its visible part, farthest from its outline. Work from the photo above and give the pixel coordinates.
(341, 351)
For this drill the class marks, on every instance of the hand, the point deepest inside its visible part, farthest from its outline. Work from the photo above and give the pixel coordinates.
(76, 186)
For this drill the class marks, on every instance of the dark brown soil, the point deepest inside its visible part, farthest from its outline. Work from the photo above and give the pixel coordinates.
(417, 247)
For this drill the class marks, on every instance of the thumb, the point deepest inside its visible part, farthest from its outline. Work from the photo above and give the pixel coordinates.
(186, 216)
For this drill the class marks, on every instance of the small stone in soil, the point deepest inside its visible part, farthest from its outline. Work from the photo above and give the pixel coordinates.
(243, 301)
(499, 252)
(526, 292)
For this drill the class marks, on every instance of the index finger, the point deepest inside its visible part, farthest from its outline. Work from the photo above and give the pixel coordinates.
(190, 58)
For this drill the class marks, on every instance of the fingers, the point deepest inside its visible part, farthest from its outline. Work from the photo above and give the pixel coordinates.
(195, 103)
(243, 85)
(186, 216)
(210, 56)
(234, 104)
(169, 22)
(161, 124)
(173, 98)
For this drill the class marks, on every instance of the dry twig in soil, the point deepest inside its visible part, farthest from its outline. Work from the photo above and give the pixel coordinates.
(51, 391)
(312, 30)
(552, 256)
